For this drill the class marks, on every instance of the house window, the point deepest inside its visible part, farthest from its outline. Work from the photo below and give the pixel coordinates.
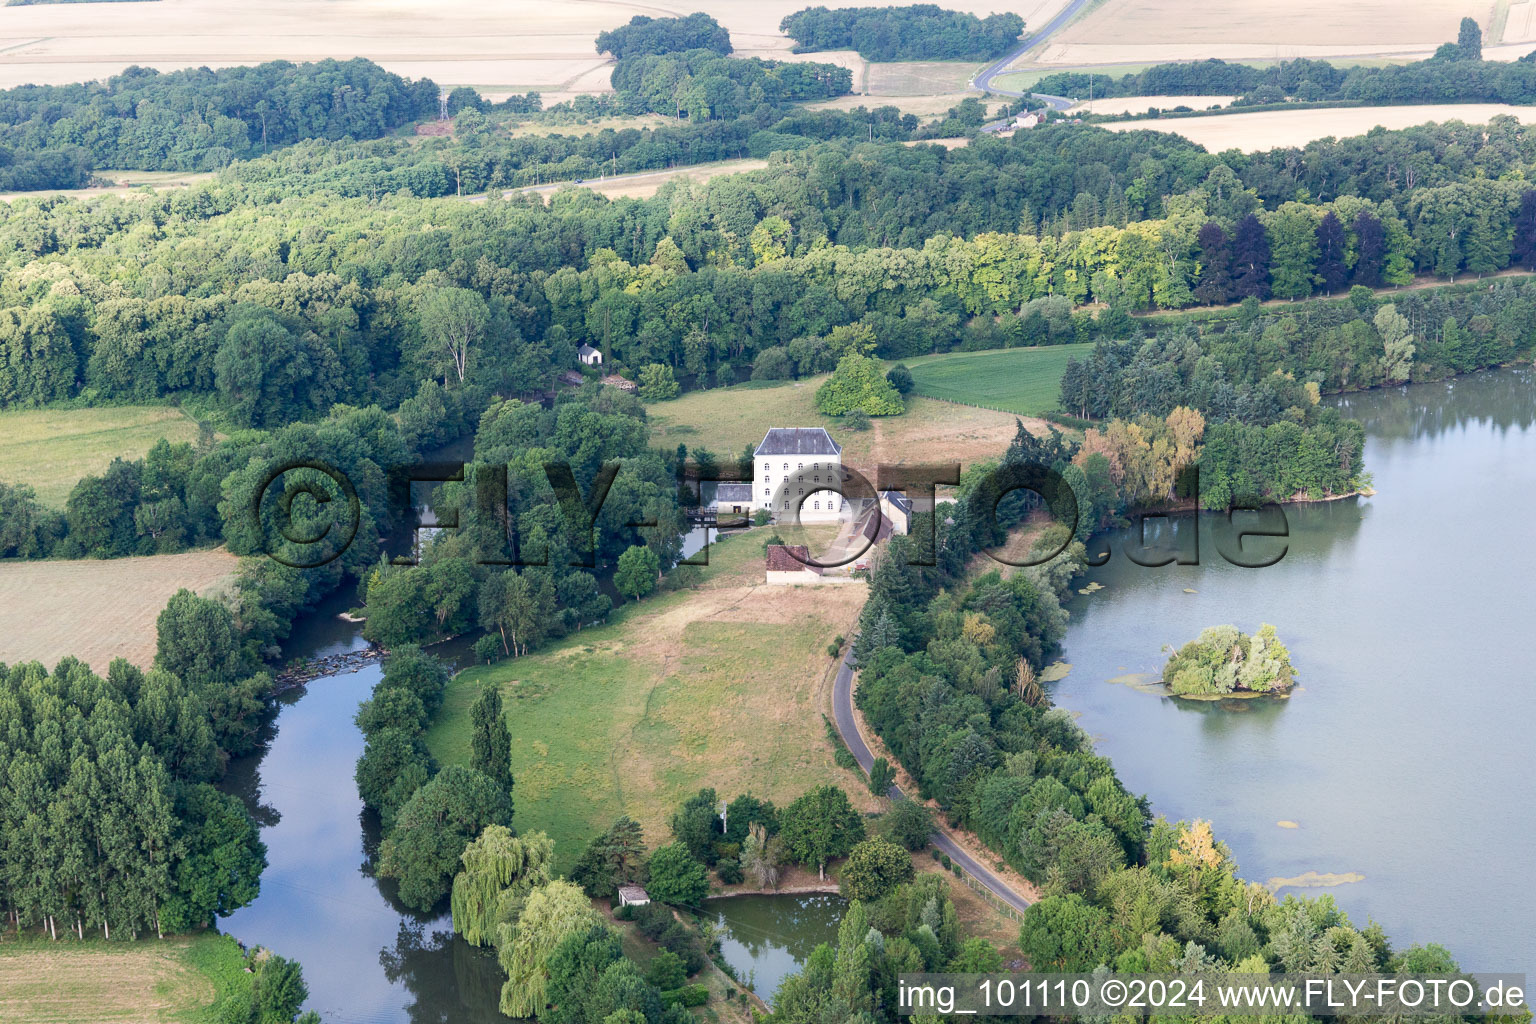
(802, 490)
(816, 505)
(799, 465)
(817, 479)
(767, 490)
(815, 465)
(786, 503)
(786, 465)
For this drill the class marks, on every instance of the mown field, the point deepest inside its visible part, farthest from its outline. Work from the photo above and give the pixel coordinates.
(51, 449)
(1025, 381)
(96, 609)
(145, 982)
(720, 686)
(726, 419)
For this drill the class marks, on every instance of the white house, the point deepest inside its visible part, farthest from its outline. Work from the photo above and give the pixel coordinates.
(589, 356)
(897, 510)
(633, 896)
(795, 463)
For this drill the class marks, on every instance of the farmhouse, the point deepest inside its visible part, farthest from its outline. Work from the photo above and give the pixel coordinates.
(793, 467)
(788, 564)
(589, 356)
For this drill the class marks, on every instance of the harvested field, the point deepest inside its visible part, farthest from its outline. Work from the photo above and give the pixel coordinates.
(646, 183)
(498, 49)
(1153, 30)
(51, 449)
(916, 78)
(102, 983)
(94, 609)
(634, 716)
(1273, 128)
(923, 106)
(1142, 104)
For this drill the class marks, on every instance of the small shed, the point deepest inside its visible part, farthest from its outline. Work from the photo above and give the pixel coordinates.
(633, 896)
(589, 356)
(789, 563)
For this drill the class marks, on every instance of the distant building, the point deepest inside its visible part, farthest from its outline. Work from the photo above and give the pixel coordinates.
(613, 380)
(897, 510)
(733, 498)
(589, 356)
(788, 564)
(795, 463)
(633, 896)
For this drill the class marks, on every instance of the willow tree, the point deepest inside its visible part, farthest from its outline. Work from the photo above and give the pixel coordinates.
(500, 869)
(552, 912)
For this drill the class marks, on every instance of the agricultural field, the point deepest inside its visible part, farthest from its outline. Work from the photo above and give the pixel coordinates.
(724, 685)
(499, 49)
(96, 610)
(1274, 128)
(51, 449)
(1148, 31)
(724, 420)
(147, 982)
(1024, 381)
(1142, 104)
(645, 184)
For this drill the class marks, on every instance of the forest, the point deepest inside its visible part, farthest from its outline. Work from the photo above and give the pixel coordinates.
(53, 136)
(916, 32)
(704, 86)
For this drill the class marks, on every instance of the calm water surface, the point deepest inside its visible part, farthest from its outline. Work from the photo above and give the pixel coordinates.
(1405, 757)
(767, 938)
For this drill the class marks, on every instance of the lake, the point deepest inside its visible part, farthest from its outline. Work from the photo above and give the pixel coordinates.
(1405, 755)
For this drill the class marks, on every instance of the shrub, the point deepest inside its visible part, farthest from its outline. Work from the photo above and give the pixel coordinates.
(688, 995)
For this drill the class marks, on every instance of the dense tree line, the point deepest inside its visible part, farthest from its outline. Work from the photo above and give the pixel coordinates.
(110, 818)
(917, 32)
(196, 119)
(647, 35)
(525, 562)
(702, 85)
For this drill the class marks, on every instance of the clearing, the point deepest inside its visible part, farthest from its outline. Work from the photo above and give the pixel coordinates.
(1023, 381)
(724, 685)
(725, 420)
(51, 449)
(144, 982)
(1270, 129)
(1157, 30)
(96, 609)
(644, 184)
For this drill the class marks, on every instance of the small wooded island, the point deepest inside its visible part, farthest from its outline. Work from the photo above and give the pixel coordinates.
(1224, 660)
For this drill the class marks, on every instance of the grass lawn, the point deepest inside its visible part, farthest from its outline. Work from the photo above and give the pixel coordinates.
(51, 449)
(1025, 381)
(145, 982)
(724, 420)
(723, 685)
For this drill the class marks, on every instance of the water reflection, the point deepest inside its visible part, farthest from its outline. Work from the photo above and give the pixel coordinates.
(767, 938)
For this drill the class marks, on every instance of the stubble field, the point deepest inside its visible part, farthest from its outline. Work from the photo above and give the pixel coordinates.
(94, 609)
(1129, 31)
(146, 982)
(1273, 128)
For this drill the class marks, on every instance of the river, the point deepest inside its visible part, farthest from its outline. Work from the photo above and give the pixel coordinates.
(1405, 755)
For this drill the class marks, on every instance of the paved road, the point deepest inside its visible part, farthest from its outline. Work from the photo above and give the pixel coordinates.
(983, 80)
(842, 713)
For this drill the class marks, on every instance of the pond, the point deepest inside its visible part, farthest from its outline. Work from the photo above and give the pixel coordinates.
(767, 938)
(1404, 757)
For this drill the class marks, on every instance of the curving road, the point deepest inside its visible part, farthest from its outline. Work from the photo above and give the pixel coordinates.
(842, 712)
(983, 79)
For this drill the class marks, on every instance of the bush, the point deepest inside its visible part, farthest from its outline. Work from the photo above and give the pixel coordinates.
(944, 859)
(677, 878)
(666, 971)
(688, 995)
(874, 868)
(833, 650)
(488, 649)
(857, 420)
(730, 871)
(762, 517)
(900, 378)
